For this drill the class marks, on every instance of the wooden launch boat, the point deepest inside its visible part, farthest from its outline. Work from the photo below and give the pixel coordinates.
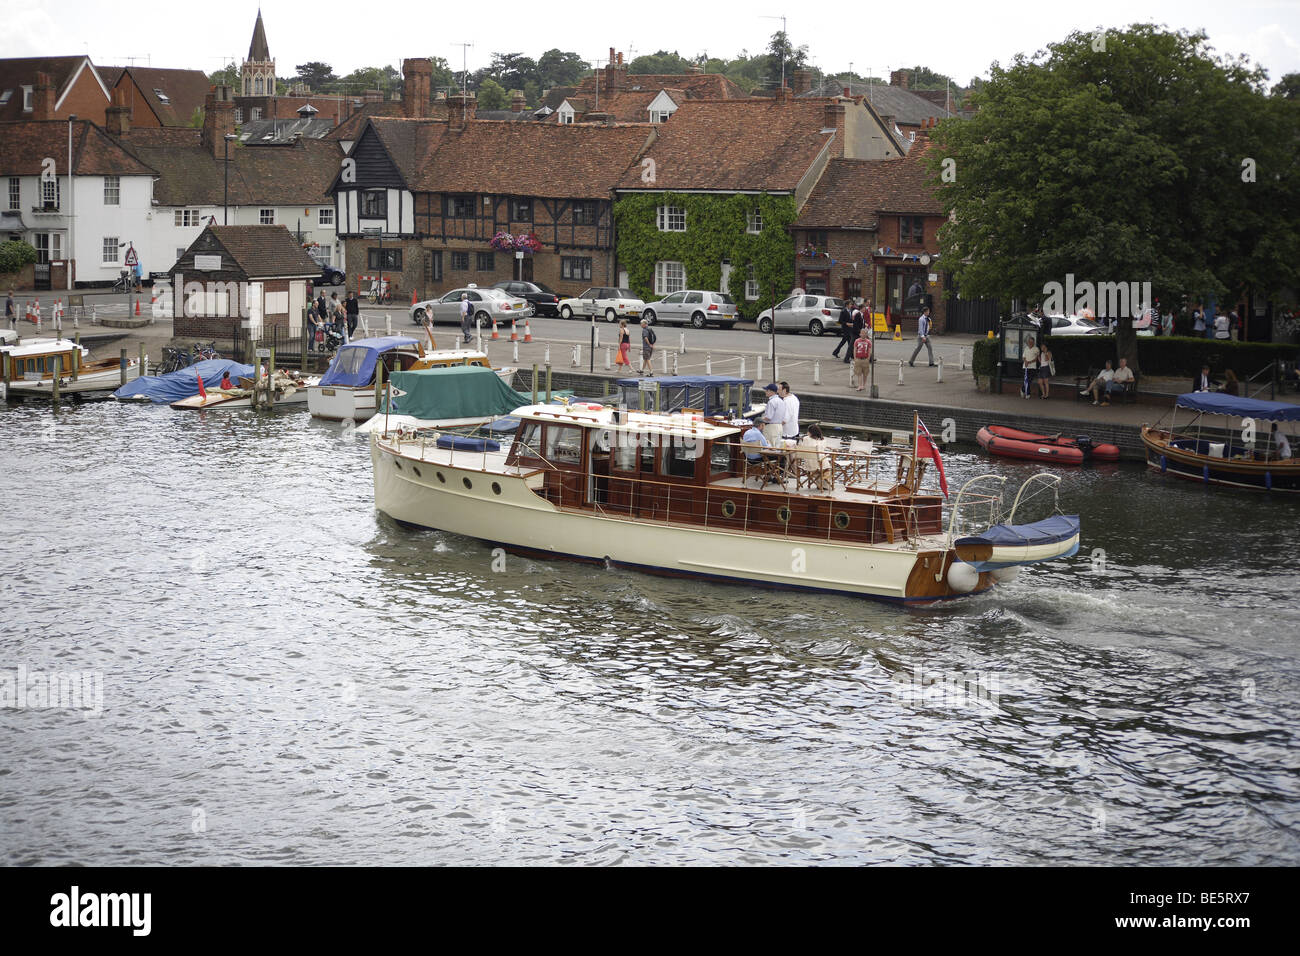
(683, 495)
(1052, 449)
(32, 364)
(1239, 454)
(347, 389)
(289, 388)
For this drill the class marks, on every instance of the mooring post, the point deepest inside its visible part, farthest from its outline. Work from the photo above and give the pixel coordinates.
(122, 361)
(681, 345)
(900, 371)
(609, 358)
(708, 363)
(534, 383)
(143, 357)
(54, 382)
(548, 383)
(674, 363)
(379, 385)
(817, 371)
(939, 365)
(4, 360)
(270, 382)
(76, 355)
(742, 366)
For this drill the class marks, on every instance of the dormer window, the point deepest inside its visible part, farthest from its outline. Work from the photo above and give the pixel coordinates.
(6, 96)
(565, 113)
(27, 99)
(659, 116)
(162, 97)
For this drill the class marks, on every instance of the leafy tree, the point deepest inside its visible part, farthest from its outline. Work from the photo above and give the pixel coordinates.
(784, 57)
(660, 62)
(492, 95)
(924, 78)
(1288, 87)
(15, 254)
(1122, 160)
(226, 76)
(558, 68)
(316, 75)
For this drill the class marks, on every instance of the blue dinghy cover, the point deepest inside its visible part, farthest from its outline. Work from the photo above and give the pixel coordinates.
(1048, 531)
(183, 383)
(465, 443)
(1219, 403)
(354, 365)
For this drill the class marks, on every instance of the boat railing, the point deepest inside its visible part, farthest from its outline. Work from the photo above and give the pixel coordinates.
(1270, 375)
(975, 512)
(1048, 482)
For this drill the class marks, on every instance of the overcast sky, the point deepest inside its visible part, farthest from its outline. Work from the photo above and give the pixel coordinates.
(957, 38)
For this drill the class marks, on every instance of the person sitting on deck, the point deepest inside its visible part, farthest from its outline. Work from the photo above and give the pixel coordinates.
(1097, 387)
(1281, 446)
(1203, 382)
(1123, 379)
(225, 379)
(815, 456)
(754, 436)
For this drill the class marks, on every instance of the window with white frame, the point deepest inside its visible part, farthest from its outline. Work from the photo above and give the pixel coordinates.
(669, 277)
(751, 283)
(326, 217)
(266, 217)
(27, 99)
(50, 193)
(110, 251)
(672, 219)
(565, 113)
(112, 190)
(179, 252)
(754, 221)
(15, 192)
(660, 116)
(186, 217)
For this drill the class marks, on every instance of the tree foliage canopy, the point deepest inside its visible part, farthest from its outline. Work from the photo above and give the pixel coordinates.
(1132, 156)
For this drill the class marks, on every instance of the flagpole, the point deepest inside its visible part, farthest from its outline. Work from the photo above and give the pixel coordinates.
(916, 441)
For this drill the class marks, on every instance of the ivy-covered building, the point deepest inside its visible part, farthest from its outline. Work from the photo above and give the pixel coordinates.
(711, 202)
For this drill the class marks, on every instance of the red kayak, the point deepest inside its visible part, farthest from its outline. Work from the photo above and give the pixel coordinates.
(1054, 449)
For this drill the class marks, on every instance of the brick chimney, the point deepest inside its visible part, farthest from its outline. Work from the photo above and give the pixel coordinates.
(117, 118)
(518, 103)
(417, 86)
(833, 118)
(898, 78)
(218, 120)
(802, 81)
(783, 95)
(613, 74)
(43, 97)
(460, 107)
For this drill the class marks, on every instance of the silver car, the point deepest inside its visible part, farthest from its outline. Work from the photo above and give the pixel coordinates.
(487, 304)
(696, 307)
(803, 313)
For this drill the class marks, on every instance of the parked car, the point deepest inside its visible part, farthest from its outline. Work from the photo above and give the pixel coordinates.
(803, 313)
(329, 275)
(1073, 325)
(543, 300)
(605, 301)
(488, 304)
(696, 307)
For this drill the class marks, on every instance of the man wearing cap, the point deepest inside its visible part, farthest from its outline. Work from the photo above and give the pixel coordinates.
(465, 309)
(774, 417)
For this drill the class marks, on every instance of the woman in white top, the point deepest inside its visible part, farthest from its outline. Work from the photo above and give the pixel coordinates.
(1030, 361)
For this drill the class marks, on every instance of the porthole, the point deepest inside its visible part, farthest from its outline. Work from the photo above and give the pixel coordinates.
(469, 485)
(441, 477)
(783, 514)
(417, 471)
(728, 509)
(496, 488)
(841, 520)
(397, 464)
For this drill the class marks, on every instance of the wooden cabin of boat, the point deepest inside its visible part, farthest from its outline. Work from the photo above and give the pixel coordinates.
(691, 470)
(35, 361)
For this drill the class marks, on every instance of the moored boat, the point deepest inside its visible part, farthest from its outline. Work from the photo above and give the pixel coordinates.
(182, 383)
(32, 364)
(1051, 449)
(459, 396)
(287, 388)
(676, 494)
(1242, 453)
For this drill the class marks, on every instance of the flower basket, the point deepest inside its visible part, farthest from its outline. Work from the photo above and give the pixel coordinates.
(526, 243)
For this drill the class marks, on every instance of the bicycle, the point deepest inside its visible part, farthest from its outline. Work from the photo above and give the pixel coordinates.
(200, 353)
(174, 360)
(125, 282)
(375, 297)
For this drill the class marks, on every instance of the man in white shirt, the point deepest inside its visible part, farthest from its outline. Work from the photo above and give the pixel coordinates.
(1029, 360)
(1097, 387)
(791, 423)
(1281, 446)
(774, 417)
(922, 338)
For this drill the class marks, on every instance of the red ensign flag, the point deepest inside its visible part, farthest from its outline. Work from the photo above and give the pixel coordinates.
(203, 392)
(925, 446)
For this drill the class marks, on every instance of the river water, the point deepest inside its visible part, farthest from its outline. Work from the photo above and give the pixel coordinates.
(286, 676)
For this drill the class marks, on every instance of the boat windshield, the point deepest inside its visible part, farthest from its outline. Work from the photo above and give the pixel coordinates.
(349, 361)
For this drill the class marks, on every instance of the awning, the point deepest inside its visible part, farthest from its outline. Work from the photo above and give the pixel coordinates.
(1217, 403)
(11, 222)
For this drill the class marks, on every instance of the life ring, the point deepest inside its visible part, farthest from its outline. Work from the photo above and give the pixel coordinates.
(593, 407)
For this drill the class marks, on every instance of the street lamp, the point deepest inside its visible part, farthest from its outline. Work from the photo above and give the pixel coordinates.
(72, 206)
(225, 202)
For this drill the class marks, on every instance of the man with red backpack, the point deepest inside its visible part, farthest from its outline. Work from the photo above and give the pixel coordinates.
(862, 348)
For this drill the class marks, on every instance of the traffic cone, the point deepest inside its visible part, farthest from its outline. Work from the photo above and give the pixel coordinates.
(495, 334)
(514, 334)
(528, 331)
(413, 297)
(137, 306)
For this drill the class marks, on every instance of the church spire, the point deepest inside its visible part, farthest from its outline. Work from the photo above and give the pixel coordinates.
(258, 51)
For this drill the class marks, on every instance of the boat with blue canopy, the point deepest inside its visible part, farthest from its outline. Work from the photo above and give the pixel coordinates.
(1245, 443)
(182, 383)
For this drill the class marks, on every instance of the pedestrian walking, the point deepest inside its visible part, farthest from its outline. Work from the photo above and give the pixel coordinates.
(857, 321)
(648, 340)
(353, 310)
(846, 335)
(11, 309)
(1234, 324)
(465, 309)
(624, 344)
(311, 327)
(862, 349)
(923, 337)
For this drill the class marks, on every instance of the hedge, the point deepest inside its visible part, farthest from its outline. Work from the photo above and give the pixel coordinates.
(1168, 355)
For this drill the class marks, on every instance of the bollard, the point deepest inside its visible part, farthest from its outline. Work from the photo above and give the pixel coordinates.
(122, 361)
(663, 365)
(817, 371)
(515, 348)
(674, 363)
(94, 315)
(900, 371)
(270, 377)
(708, 363)
(534, 381)
(681, 345)
(379, 385)
(76, 355)
(76, 318)
(577, 356)
(758, 372)
(609, 358)
(742, 366)
(478, 339)
(939, 365)
(595, 341)
(54, 378)
(143, 356)
(961, 358)
(776, 368)
(388, 324)
(4, 361)
(546, 359)
(548, 383)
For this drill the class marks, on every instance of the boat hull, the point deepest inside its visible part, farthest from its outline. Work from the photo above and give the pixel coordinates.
(86, 382)
(503, 509)
(1027, 446)
(1189, 459)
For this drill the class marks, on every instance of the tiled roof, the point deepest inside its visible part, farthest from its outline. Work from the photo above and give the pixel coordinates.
(17, 72)
(852, 193)
(708, 86)
(905, 106)
(284, 130)
(626, 106)
(736, 144)
(185, 91)
(530, 159)
(282, 175)
(24, 145)
(265, 250)
(351, 127)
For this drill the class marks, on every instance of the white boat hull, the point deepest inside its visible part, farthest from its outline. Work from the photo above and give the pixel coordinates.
(520, 520)
(106, 381)
(339, 404)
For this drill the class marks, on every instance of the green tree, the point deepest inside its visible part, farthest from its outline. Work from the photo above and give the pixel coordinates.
(785, 58)
(558, 68)
(15, 254)
(660, 62)
(226, 76)
(317, 75)
(1121, 158)
(492, 95)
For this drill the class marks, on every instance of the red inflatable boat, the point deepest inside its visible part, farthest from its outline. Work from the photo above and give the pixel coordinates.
(1054, 449)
